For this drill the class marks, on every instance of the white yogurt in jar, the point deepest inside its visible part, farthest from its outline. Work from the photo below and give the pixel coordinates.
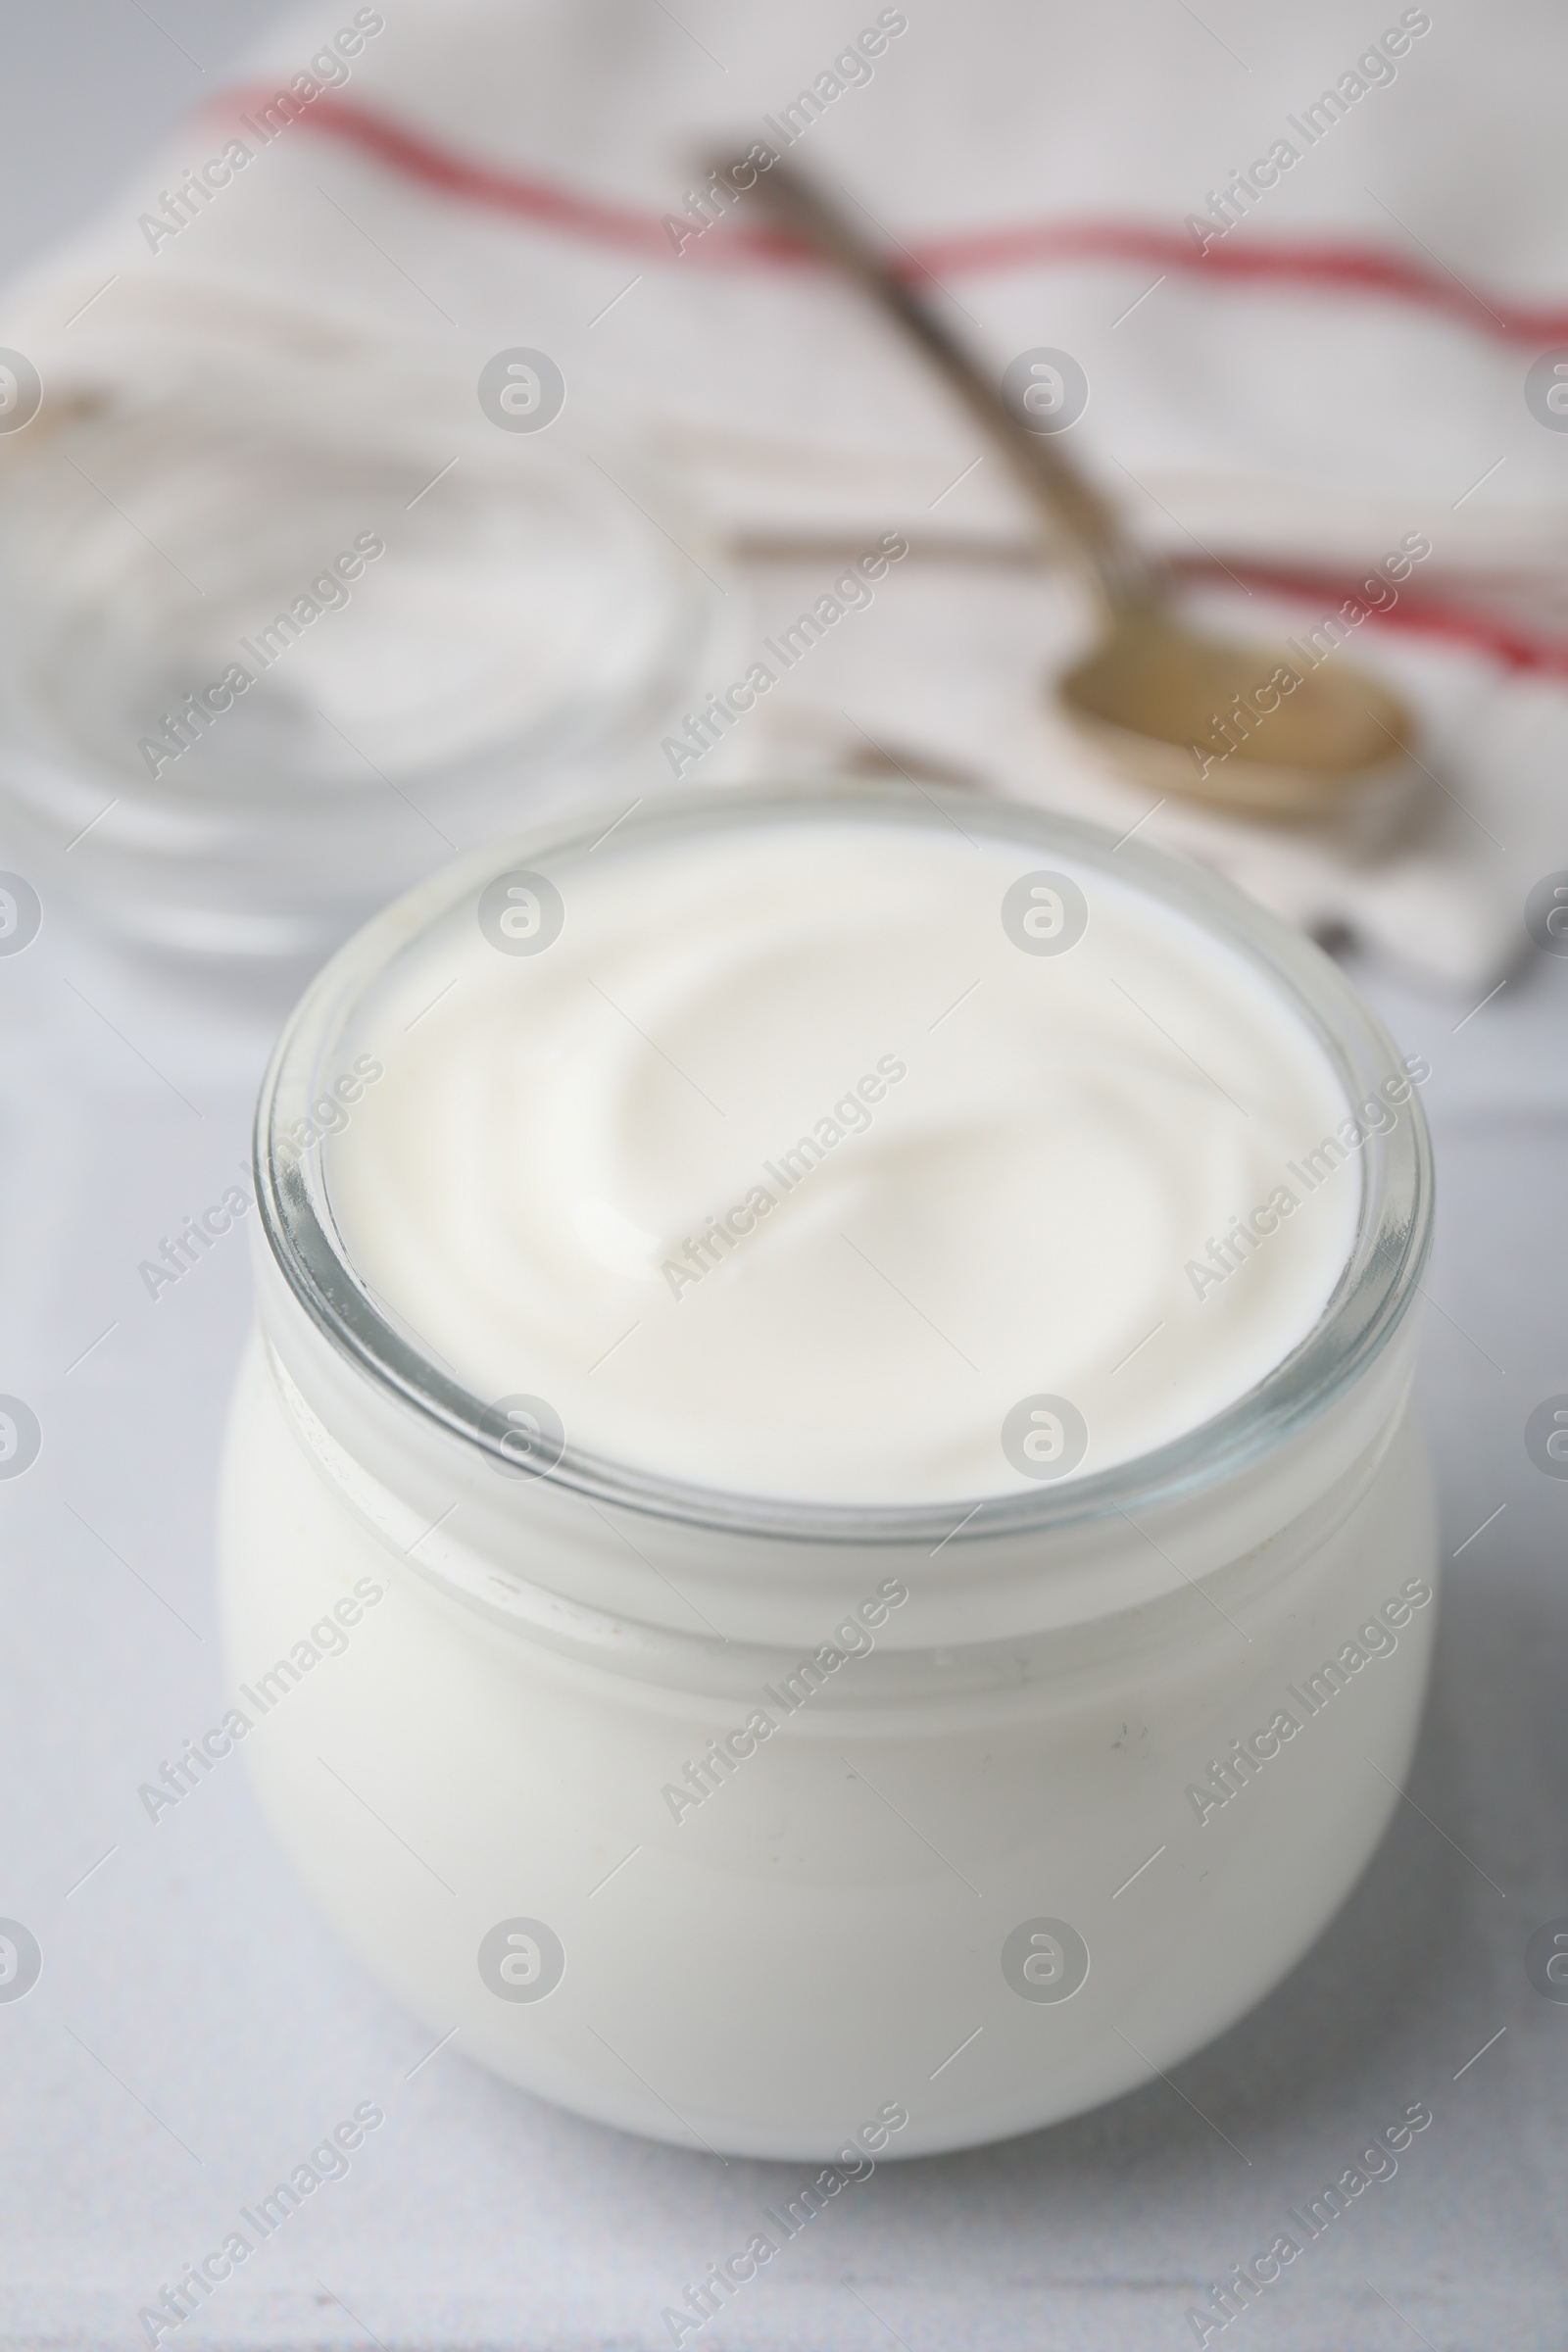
(791, 1162)
(759, 1616)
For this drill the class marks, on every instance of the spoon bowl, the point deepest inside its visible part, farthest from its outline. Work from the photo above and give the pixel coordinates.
(1246, 727)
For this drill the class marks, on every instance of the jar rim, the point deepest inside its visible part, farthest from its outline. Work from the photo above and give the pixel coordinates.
(1374, 1291)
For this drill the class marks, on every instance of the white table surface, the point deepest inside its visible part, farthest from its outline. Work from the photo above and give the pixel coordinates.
(196, 2029)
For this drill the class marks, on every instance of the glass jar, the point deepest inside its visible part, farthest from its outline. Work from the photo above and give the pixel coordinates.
(1110, 1755)
(280, 633)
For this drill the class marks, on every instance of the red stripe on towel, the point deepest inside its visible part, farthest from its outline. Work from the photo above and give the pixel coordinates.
(1356, 268)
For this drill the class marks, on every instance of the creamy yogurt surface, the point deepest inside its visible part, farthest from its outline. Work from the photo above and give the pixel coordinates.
(842, 1160)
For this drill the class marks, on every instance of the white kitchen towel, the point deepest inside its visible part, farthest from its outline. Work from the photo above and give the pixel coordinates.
(1307, 269)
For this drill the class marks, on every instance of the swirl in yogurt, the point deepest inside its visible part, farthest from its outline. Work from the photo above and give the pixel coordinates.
(830, 1159)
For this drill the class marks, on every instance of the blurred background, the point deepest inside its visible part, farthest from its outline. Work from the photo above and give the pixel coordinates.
(468, 405)
(89, 93)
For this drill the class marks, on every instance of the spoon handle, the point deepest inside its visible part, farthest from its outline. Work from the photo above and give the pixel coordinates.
(1071, 503)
